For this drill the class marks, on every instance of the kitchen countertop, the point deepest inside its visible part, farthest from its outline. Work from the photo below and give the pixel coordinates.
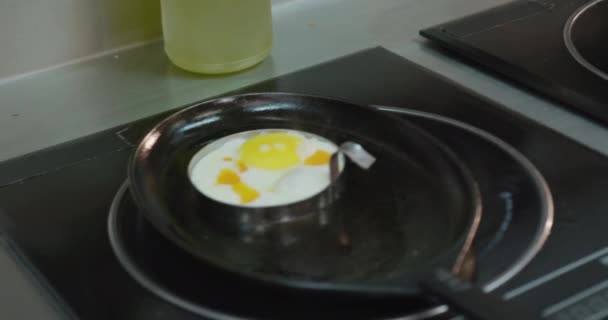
(62, 104)
(59, 105)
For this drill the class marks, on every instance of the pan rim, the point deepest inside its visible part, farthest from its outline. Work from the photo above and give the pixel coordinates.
(464, 238)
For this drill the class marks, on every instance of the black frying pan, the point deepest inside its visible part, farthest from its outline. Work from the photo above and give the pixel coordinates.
(415, 210)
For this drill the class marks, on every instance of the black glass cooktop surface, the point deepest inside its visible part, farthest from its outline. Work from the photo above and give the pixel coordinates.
(57, 203)
(555, 47)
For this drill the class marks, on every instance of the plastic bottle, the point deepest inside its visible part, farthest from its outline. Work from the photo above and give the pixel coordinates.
(217, 36)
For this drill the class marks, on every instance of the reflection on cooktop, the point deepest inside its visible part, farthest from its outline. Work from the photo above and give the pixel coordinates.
(586, 36)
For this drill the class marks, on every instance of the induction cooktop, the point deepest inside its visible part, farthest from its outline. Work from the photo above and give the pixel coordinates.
(556, 47)
(541, 244)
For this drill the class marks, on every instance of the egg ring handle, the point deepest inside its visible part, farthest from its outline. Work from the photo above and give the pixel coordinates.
(355, 153)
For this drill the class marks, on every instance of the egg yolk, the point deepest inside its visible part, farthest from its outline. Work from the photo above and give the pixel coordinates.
(318, 158)
(245, 192)
(228, 176)
(241, 166)
(273, 151)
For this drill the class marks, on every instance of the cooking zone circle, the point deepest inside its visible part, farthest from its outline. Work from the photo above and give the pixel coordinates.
(517, 217)
(585, 35)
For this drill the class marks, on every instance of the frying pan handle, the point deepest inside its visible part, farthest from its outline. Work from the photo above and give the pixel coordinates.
(475, 304)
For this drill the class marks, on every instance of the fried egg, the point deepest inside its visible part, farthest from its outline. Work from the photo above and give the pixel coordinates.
(263, 167)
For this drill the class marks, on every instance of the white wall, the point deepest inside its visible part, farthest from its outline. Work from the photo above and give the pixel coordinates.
(37, 34)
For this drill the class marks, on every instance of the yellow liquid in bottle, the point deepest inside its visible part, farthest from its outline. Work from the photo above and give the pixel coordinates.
(217, 36)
